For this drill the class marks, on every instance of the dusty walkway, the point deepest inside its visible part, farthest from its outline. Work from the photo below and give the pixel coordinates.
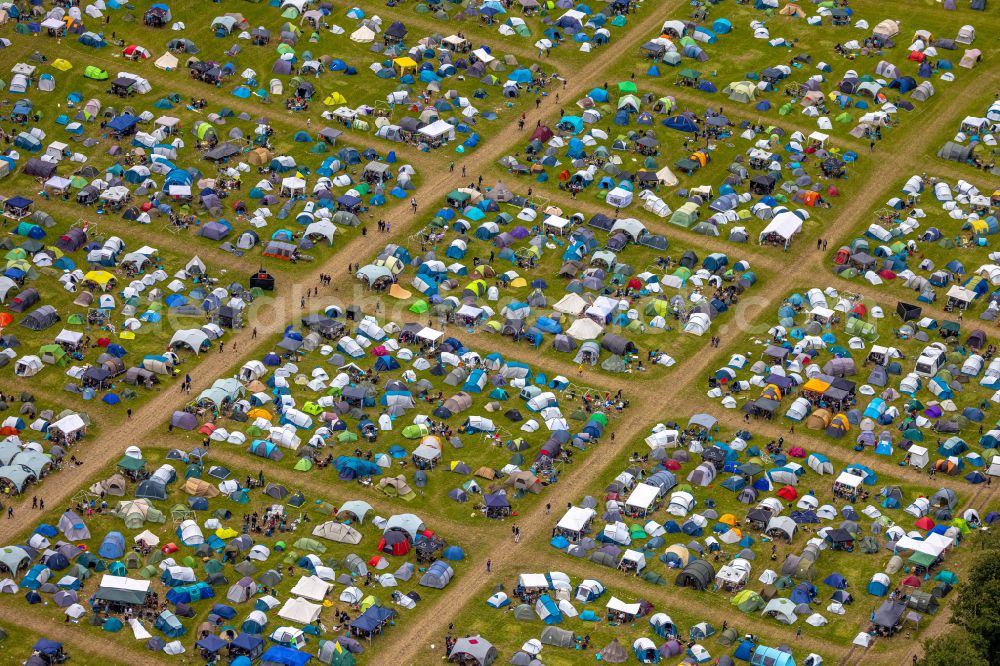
(654, 400)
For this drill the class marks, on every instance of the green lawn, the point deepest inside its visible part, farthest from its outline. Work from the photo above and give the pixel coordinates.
(530, 268)
(477, 450)
(479, 618)
(301, 521)
(888, 332)
(855, 566)
(956, 240)
(734, 55)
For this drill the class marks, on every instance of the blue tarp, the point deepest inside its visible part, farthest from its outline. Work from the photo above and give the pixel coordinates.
(277, 654)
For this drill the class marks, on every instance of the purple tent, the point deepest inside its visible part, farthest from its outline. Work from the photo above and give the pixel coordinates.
(184, 420)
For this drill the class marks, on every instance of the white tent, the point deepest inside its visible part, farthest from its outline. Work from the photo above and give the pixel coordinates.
(584, 329)
(301, 611)
(312, 587)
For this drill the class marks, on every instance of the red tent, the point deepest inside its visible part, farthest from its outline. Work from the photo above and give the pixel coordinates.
(394, 542)
(797, 452)
(925, 523)
(911, 581)
(787, 493)
(672, 465)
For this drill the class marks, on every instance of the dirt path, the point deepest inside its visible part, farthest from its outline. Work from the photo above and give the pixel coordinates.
(666, 397)
(272, 315)
(672, 399)
(80, 637)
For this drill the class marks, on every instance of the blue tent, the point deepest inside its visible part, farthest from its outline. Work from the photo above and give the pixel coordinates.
(553, 614)
(877, 588)
(744, 651)
(371, 621)
(681, 124)
(836, 581)
(453, 553)
(772, 656)
(113, 546)
(123, 123)
(520, 76)
(384, 363)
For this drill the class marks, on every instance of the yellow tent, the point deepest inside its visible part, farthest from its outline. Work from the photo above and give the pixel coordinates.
(404, 64)
(127, 335)
(815, 386)
(368, 602)
(99, 277)
(516, 283)
(728, 519)
(398, 292)
(335, 98)
(226, 533)
(259, 413)
(62, 64)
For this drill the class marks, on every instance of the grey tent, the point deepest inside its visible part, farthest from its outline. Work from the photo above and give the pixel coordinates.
(955, 152)
(524, 612)
(558, 637)
(945, 497)
(589, 352)
(151, 489)
(889, 615)
(473, 648)
(617, 344)
(37, 168)
(614, 653)
(41, 318)
(698, 574)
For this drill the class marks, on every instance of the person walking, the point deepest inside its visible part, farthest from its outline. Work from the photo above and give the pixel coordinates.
(489, 566)
(128, 413)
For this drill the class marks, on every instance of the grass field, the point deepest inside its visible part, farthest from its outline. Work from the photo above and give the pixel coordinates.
(361, 76)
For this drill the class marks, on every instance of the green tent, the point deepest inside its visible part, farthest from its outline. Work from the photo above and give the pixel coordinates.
(96, 73)
(305, 543)
(53, 355)
(347, 436)
(419, 307)
(415, 431)
(303, 465)
(748, 601)
(630, 87)
(331, 652)
(130, 464)
(863, 329)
